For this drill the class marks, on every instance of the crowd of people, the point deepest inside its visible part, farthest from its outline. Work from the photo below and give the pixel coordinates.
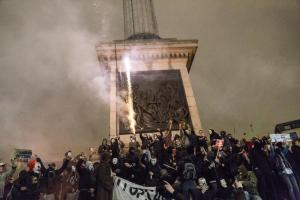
(185, 165)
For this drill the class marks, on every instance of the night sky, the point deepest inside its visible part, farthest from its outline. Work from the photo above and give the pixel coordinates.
(53, 95)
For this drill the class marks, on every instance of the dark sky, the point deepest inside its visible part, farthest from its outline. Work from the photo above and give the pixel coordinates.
(52, 92)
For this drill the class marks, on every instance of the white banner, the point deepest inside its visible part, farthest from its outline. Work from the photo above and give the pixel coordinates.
(280, 137)
(125, 190)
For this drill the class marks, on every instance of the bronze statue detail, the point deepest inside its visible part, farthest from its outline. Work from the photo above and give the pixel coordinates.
(158, 96)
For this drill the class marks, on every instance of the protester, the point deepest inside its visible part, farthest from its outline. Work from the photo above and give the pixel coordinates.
(286, 173)
(85, 170)
(181, 165)
(5, 172)
(249, 183)
(104, 182)
(49, 181)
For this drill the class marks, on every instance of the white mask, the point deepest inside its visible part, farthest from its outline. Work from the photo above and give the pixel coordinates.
(153, 161)
(37, 168)
(202, 182)
(89, 165)
(223, 183)
(115, 161)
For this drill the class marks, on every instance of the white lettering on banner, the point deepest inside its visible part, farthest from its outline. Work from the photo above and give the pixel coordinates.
(125, 190)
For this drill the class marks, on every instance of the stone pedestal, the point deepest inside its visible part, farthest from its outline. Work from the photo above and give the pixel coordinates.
(146, 56)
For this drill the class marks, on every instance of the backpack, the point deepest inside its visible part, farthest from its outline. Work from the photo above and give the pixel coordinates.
(189, 172)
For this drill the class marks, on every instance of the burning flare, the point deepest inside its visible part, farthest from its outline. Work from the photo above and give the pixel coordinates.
(131, 113)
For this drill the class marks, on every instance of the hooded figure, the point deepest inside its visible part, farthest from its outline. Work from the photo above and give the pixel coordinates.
(104, 181)
(131, 165)
(213, 136)
(115, 148)
(20, 190)
(117, 167)
(153, 172)
(104, 147)
(49, 182)
(86, 183)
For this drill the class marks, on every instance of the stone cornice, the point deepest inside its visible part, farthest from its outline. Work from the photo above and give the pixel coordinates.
(146, 50)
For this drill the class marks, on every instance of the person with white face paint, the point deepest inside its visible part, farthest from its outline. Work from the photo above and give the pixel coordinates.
(153, 172)
(204, 191)
(4, 174)
(227, 191)
(116, 166)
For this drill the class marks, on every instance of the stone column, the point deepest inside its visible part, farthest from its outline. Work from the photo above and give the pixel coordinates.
(139, 19)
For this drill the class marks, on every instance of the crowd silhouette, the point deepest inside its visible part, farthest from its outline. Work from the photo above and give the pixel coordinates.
(182, 165)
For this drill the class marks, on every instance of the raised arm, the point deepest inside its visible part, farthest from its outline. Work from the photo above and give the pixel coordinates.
(64, 166)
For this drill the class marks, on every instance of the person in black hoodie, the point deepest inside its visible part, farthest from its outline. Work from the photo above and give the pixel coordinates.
(192, 137)
(207, 169)
(144, 139)
(131, 165)
(202, 142)
(153, 172)
(8, 188)
(115, 149)
(104, 147)
(20, 191)
(187, 176)
(117, 167)
(86, 182)
(229, 161)
(213, 136)
(158, 145)
(49, 182)
(263, 169)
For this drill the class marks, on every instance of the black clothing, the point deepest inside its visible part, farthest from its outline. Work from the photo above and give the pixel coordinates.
(86, 181)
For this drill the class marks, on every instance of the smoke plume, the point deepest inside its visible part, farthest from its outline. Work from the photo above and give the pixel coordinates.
(53, 91)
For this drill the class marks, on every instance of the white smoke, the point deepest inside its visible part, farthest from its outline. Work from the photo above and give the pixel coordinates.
(52, 87)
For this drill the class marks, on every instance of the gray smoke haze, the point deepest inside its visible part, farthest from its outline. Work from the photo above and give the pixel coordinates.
(247, 67)
(53, 93)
